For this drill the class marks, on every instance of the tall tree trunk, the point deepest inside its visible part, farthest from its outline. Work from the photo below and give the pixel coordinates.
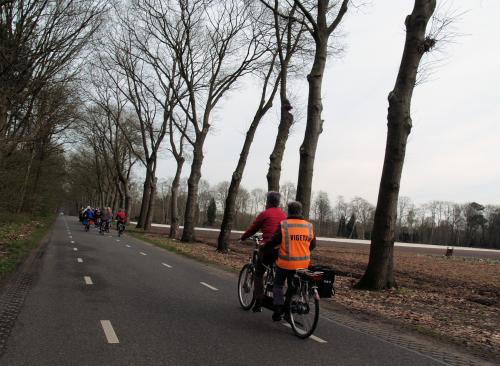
(314, 126)
(151, 204)
(286, 121)
(379, 273)
(3, 115)
(121, 194)
(38, 174)
(188, 234)
(115, 200)
(146, 196)
(230, 207)
(128, 198)
(24, 186)
(174, 198)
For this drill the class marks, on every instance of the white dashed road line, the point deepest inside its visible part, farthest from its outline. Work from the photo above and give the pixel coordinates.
(117, 239)
(75, 249)
(313, 337)
(79, 260)
(109, 332)
(210, 287)
(167, 265)
(142, 253)
(128, 246)
(88, 280)
(72, 242)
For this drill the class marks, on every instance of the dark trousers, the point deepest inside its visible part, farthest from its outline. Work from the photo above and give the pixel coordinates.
(279, 283)
(266, 258)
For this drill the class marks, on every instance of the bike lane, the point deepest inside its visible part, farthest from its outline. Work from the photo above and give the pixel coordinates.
(163, 309)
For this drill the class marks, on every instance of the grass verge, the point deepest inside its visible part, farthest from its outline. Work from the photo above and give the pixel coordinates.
(18, 238)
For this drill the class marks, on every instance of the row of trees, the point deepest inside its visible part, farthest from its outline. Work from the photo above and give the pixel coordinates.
(166, 66)
(152, 83)
(41, 43)
(435, 222)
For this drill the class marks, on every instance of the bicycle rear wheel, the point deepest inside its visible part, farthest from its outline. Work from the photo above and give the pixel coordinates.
(246, 286)
(304, 313)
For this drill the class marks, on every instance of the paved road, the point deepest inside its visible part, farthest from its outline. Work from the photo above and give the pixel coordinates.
(210, 234)
(109, 301)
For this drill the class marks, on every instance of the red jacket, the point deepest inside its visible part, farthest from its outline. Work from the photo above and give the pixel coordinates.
(267, 222)
(121, 216)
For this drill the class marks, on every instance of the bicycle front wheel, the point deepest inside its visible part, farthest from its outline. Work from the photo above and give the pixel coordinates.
(304, 313)
(246, 286)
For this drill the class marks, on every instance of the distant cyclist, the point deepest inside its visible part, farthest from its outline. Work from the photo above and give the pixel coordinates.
(97, 217)
(267, 222)
(107, 217)
(88, 217)
(121, 217)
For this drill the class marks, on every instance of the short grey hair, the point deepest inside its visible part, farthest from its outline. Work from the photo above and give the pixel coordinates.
(273, 199)
(294, 208)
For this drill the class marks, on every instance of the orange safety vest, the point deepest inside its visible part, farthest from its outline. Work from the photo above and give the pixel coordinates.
(294, 250)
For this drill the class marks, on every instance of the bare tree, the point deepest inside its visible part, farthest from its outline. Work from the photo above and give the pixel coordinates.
(177, 150)
(404, 204)
(151, 85)
(320, 29)
(288, 192)
(214, 44)
(289, 40)
(379, 272)
(363, 211)
(322, 211)
(258, 200)
(265, 103)
(39, 40)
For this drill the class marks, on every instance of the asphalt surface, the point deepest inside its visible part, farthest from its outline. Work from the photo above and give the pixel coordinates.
(161, 314)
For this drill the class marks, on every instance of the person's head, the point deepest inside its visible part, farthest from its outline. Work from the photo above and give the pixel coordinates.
(294, 208)
(121, 210)
(272, 199)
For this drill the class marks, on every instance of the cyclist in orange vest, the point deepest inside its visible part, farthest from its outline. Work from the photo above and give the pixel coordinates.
(295, 239)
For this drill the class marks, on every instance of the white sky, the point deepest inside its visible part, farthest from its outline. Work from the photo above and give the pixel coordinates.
(454, 147)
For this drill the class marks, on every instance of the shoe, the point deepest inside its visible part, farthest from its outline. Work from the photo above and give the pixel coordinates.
(257, 308)
(287, 318)
(276, 316)
(278, 312)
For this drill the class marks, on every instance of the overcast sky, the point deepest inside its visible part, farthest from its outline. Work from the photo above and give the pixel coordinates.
(454, 147)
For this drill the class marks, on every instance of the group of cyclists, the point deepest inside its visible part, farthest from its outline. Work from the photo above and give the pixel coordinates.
(102, 218)
(287, 243)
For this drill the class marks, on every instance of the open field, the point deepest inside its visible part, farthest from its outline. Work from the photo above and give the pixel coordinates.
(455, 299)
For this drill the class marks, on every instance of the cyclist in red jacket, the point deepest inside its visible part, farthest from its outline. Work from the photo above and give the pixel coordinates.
(121, 216)
(267, 222)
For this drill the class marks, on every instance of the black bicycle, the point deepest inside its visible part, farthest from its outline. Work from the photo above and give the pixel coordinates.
(121, 228)
(246, 278)
(302, 298)
(104, 228)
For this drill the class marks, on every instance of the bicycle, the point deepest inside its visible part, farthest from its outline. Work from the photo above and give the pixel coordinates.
(303, 309)
(88, 223)
(246, 277)
(302, 298)
(104, 228)
(120, 227)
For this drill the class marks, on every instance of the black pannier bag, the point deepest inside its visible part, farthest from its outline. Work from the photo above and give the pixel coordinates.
(325, 285)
